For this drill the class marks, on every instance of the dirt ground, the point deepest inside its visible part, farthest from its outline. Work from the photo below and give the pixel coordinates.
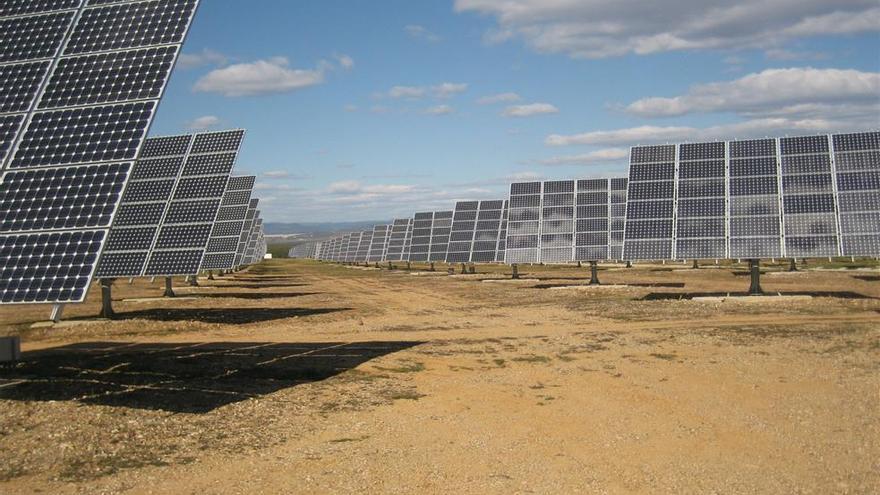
(306, 377)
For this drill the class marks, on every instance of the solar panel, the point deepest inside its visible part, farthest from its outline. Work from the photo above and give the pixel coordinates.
(799, 197)
(397, 239)
(246, 229)
(80, 84)
(524, 222)
(363, 247)
(379, 243)
(228, 224)
(501, 249)
(476, 227)
(420, 245)
(179, 204)
(441, 229)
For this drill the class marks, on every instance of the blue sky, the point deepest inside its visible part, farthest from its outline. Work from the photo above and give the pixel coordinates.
(369, 110)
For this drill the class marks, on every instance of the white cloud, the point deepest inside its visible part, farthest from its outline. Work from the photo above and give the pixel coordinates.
(420, 32)
(670, 134)
(439, 110)
(276, 174)
(529, 110)
(202, 58)
(603, 156)
(599, 28)
(202, 123)
(350, 108)
(442, 90)
(783, 54)
(345, 61)
(499, 98)
(260, 77)
(772, 91)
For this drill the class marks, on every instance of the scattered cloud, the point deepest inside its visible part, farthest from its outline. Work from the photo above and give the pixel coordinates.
(442, 90)
(499, 98)
(203, 123)
(598, 28)
(276, 174)
(598, 157)
(671, 134)
(202, 58)
(268, 76)
(805, 92)
(783, 54)
(379, 109)
(529, 110)
(350, 108)
(439, 110)
(421, 33)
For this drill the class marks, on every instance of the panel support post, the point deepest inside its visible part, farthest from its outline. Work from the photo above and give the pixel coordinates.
(463, 269)
(792, 265)
(408, 266)
(57, 310)
(193, 280)
(755, 271)
(472, 269)
(629, 264)
(169, 291)
(515, 274)
(432, 266)
(594, 273)
(390, 267)
(579, 264)
(696, 265)
(210, 274)
(106, 298)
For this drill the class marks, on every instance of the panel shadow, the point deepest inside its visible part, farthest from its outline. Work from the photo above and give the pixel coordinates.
(181, 378)
(660, 296)
(223, 315)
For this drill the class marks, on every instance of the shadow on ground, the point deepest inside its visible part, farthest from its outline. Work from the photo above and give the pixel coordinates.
(867, 278)
(180, 378)
(670, 285)
(659, 296)
(223, 315)
(250, 295)
(256, 286)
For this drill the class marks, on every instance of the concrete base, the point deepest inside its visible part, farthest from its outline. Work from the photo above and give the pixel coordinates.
(70, 323)
(753, 299)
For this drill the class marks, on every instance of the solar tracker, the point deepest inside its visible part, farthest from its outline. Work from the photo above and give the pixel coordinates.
(476, 227)
(246, 229)
(420, 245)
(363, 248)
(227, 228)
(80, 83)
(407, 241)
(798, 197)
(397, 240)
(379, 243)
(250, 252)
(441, 228)
(172, 206)
(501, 249)
(564, 221)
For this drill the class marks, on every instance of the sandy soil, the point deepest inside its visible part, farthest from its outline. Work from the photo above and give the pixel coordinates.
(302, 377)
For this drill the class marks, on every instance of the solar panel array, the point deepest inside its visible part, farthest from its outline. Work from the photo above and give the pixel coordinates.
(379, 243)
(304, 250)
(169, 210)
(565, 221)
(401, 230)
(800, 197)
(246, 230)
(475, 231)
(225, 234)
(80, 84)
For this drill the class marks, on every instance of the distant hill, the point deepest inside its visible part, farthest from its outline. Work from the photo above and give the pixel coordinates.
(319, 228)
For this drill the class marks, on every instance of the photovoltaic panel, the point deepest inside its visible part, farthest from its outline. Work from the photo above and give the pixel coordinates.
(228, 224)
(179, 204)
(524, 223)
(72, 121)
(805, 196)
(246, 229)
(379, 243)
(476, 228)
(363, 248)
(397, 239)
(420, 246)
(501, 249)
(441, 228)
(650, 205)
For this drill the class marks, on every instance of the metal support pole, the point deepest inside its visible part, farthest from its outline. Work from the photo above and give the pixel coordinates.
(106, 298)
(594, 273)
(450, 270)
(472, 269)
(629, 264)
(579, 264)
(389, 266)
(432, 266)
(696, 265)
(463, 269)
(57, 310)
(515, 274)
(792, 265)
(210, 274)
(193, 280)
(755, 270)
(169, 291)
(408, 266)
